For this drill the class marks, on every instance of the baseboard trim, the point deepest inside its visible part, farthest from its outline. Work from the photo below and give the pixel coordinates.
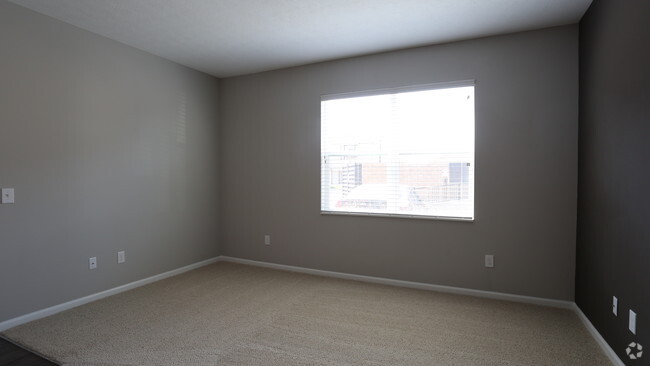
(100, 295)
(609, 352)
(570, 305)
(409, 284)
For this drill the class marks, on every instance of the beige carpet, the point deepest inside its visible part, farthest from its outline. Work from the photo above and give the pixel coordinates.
(231, 314)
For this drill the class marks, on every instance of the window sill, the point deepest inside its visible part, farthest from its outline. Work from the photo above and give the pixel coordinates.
(397, 216)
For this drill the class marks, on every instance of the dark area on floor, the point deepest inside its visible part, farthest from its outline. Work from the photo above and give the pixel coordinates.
(12, 355)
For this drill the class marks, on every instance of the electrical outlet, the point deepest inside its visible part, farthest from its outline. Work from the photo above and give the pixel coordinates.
(615, 305)
(7, 195)
(632, 324)
(267, 239)
(92, 263)
(489, 260)
(121, 257)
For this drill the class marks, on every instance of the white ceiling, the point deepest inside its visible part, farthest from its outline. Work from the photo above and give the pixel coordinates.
(235, 37)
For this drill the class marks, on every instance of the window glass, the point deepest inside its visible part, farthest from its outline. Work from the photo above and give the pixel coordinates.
(401, 152)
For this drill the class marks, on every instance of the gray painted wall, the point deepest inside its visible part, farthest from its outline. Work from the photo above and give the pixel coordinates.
(526, 162)
(108, 148)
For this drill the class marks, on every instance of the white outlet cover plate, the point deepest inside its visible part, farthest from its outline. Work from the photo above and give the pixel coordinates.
(489, 260)
(615, 305)
(121, 257)
(7, 195)
(632, 322)
(92, 263)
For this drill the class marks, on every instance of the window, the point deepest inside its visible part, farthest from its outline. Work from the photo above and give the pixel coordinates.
(400, 152)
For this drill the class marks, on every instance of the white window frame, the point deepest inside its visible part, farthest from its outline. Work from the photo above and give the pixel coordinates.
(414, 88)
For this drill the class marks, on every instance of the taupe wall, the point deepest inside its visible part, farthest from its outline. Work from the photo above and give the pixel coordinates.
(526, 162)
(109, 149)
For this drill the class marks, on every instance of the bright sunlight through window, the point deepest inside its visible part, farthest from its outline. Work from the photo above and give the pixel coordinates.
(405, 152)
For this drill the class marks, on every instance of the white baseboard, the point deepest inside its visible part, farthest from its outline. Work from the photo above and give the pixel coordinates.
(100, 295)
(609, 352)
(416, 285)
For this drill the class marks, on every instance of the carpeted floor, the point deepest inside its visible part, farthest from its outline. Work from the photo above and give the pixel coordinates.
(232, 314)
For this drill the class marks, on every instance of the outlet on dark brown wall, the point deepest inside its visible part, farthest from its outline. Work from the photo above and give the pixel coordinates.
(613, 250)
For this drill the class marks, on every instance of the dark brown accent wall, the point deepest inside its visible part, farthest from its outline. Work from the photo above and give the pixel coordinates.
(613, 248)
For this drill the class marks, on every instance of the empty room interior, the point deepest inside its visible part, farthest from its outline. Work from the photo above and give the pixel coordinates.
(331, 182)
